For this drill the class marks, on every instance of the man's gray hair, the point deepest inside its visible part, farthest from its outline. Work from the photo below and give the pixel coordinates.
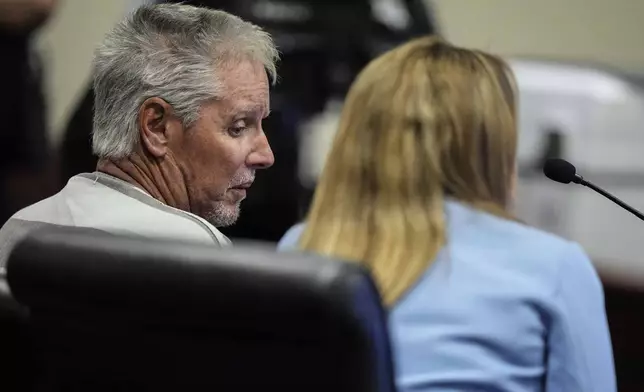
(171, 51)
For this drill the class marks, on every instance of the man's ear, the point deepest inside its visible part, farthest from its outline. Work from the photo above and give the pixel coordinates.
(156, 123)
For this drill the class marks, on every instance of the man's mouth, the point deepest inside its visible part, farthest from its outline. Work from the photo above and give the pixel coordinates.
(244, 186)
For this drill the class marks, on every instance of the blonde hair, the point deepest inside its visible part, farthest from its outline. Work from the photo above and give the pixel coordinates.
(422, 122)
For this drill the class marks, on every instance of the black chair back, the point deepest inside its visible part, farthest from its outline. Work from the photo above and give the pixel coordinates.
(116, 313)
(15, 351)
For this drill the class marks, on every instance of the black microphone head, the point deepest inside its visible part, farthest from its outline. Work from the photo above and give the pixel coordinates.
(560, 170)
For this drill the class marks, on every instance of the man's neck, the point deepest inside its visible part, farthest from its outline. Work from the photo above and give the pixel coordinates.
(162, 179)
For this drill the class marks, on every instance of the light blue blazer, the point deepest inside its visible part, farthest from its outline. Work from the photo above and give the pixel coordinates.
(504, 307)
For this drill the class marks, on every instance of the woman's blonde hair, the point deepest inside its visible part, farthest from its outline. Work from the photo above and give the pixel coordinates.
(422, 122)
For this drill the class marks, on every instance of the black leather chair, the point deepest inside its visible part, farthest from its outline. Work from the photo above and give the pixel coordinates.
(111, 313)
(15, 352)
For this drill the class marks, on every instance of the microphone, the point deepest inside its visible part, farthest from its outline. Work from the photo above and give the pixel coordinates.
(562, 171)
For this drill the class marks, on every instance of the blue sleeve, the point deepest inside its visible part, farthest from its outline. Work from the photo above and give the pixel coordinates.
(291, 238)
(580, 357)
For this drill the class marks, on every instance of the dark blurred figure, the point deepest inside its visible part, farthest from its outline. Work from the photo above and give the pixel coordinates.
(323, 46)
(553, 147)
(24, 163)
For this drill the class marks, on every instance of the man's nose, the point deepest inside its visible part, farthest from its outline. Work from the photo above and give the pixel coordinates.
(262, 156)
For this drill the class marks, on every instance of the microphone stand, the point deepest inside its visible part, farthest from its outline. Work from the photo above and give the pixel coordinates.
(580, 180)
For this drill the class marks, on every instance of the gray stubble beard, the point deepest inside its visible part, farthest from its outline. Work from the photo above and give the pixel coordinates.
(222, 215)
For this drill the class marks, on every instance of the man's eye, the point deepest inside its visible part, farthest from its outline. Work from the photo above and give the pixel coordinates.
(238, 128)
(236, 131)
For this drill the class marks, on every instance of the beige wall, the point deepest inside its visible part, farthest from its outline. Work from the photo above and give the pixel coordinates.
(67, 44)
(610, 32)
(607, 31)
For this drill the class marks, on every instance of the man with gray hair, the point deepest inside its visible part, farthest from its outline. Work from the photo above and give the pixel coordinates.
(180, 95)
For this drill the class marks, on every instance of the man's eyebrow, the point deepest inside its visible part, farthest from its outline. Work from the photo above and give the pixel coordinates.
(251, 111)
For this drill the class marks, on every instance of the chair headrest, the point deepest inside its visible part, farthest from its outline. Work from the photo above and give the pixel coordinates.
(189, 282)
(99, 295)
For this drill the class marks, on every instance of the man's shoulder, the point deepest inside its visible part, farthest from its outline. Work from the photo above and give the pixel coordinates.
(90, 203)
(45, 211)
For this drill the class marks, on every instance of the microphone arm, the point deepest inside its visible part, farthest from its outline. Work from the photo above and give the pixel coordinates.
(580, 180)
